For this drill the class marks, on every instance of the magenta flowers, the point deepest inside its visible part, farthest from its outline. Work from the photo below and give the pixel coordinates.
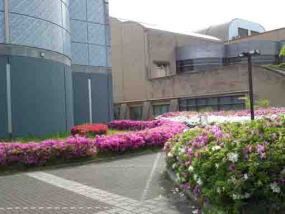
(155, 134)
(41, 153)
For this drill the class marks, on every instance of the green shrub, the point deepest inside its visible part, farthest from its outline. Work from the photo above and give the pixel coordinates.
(233, 165)
(282, 51)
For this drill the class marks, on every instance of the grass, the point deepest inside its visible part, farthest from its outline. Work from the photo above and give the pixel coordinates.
(58, 136)
(277, 66)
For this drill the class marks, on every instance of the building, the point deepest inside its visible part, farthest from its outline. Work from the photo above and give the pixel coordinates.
(235, 29)
(52, 70)
(156, 71)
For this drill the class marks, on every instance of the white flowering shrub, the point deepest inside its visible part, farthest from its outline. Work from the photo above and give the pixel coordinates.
(232, 165)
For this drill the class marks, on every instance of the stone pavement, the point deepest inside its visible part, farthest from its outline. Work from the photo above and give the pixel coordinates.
(122, 186)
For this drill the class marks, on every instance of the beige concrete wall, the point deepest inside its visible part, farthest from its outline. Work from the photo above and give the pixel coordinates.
(162, 46)
(136, 48)
(128, 61)
(274, 35)
(134, 51)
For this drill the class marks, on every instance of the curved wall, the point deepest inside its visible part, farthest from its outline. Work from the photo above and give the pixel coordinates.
(35, 67)
(41, 24)
(240, 23)
(269, 50)
(202, 57)
(200, 51)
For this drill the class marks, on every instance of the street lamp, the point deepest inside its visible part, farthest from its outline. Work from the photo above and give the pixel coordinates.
(249, 58)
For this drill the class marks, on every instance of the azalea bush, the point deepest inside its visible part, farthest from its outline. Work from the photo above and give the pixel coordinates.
(89, 129)
(232, 165)
(37, 154)
(154, 134)
(147, 138)
(134, 125)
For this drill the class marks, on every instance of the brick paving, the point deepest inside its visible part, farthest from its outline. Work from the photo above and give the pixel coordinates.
(124, 186)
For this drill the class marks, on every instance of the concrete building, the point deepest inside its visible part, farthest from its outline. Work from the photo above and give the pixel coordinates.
(156, 71)
(44, 62)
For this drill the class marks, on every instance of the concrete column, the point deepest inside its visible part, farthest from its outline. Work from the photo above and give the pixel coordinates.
(124, 112)
(147, 111)
(174, 105)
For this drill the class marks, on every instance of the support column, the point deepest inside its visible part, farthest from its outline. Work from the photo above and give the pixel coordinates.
(147, 111)
(174, 105)
(124, 112)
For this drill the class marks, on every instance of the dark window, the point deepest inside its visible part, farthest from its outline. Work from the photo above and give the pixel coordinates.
(136, 113)
(117, 110)
(160, 109)
(185, 65)
(242, 32)
(213, 103)
(254, 32)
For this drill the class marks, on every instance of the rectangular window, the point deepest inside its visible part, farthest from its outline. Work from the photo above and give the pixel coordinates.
(161, 69)
(254, 32)
(185, 65)
(160, 109)
(136, 112)
(117, 111)
(243, 32)
(233, 102)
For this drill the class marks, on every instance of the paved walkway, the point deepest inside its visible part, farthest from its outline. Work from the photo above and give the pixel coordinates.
(122, 186)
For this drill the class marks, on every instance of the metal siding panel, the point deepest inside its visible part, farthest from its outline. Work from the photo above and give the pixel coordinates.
(80, 97)
(69, 98)
(110, 93)
(3, 98)
(38, 96)
(100, 97)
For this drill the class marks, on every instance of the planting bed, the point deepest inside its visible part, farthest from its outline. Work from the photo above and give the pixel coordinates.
(237, 167)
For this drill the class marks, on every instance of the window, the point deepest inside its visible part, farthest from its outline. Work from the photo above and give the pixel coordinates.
(213, 103)
(161, 69)
(136, 113)
(242, 32)
(160, 109)
(185, 65)
(117, 111)
(254, 32)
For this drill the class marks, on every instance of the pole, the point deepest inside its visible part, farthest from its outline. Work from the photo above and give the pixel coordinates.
(250, 87)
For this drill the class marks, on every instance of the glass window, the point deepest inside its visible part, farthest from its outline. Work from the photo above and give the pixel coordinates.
(160, 109)
(242, 32)
(117, 110)
(213, 103)
(136, 113)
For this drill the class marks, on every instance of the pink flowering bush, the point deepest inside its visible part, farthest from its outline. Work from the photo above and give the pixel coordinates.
(258, 112)
(155, 135)
(36, 154)
(134, 125)
(233, 165)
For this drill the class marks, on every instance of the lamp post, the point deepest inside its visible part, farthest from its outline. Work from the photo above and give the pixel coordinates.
(250, 82)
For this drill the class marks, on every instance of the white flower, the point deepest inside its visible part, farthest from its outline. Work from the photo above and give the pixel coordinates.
(245, 176)
(219, 190)
(216, 148)
(234, 180)
(195, 177)
(233, 157)
(182, 150)
(200, 182)
(275, 188)
(191, 169)
(236, 196)
(174, 166)
(170, 155)
(217, 165)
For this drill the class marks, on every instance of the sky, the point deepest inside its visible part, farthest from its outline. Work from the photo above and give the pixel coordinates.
(193, 15)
